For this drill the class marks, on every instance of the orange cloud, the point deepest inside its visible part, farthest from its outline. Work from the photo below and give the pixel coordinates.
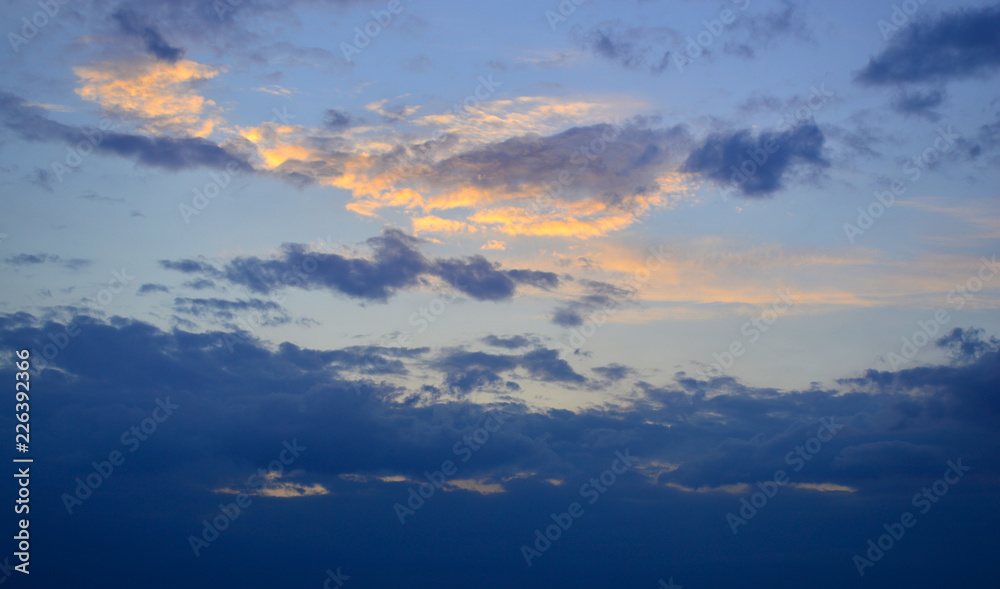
(160, 94)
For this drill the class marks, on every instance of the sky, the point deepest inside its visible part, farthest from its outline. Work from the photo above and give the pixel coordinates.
(579, 293)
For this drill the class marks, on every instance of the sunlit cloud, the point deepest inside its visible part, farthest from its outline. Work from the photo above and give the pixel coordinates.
(161, 95)
(824, 487)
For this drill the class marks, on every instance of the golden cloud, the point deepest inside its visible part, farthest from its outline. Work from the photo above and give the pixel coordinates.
(162, 95)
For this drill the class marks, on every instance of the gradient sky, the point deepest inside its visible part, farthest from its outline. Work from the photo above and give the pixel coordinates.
(687, 230)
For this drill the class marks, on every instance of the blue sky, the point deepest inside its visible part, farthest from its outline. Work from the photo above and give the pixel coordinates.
(691, 230)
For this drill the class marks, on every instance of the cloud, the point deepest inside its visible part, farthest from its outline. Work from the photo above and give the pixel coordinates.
(614, 371)
(161, 95)
(697, 448)
(467, 371)
(581, 180)
(98, 197)
(634, 48)
(741, 159)
(511, 343)
(151, 288)
(763, 30)
(919, 103)
(199, 284)
(30, 259)
(38, 259)
(263, 313)
(396, 264)
(164, 152)
(955, 45)
(154, 42)
(967, 345)
(336, 120)
(41, 178)
(600, 296)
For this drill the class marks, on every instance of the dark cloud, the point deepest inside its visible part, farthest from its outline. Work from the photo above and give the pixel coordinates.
(634, 48)
(620, 171)
(967, 344)
(511, 343)
(30, 259)
(98, 197)
(567, 317)
(484, 280)
(188, 266)
(396, 264)
(545, 364)
(41, 178)
(171, 153)
(763, 30)
(200, 284)
(614, 371)
(542, 364)
(235, 408)
(37, 259)
(153, 41)
(336, 120)
(919, 103)
(600, 297)
(151, 288)
(198, 306)
(955, 45)
(734, 159)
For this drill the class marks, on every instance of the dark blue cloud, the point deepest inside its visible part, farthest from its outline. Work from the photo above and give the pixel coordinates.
(252, 312)
(235, 408)
(38, 259)
(757, 165)
(614, 371)
(601, 297)
(336, 120)
(764, 29)
(511, 343)
(634, 48)
(171, 153)
(153, 41)
(542, 364)
(151, 288)
(396, 264)
(919, 103)
(955, 45)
